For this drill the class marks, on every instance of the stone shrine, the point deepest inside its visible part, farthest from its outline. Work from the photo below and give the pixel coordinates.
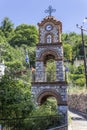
(50, 47)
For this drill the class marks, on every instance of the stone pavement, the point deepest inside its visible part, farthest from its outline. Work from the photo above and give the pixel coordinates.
(78, 122)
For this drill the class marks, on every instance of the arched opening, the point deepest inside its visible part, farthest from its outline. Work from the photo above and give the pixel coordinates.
(48, 57)
(47, 71)
(50, 103)
(50, 70)
(47, 110)
(48, 54)
(45, 94)
(50, 100)
(49, 38)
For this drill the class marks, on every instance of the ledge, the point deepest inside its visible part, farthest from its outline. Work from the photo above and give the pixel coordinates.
(51, 83)
(47, 44)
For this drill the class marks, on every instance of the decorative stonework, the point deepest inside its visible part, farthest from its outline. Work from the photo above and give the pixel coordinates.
(51, 19)
(50, 47)
(56, 51)
(59, 71)
(55, 32)
(58, 91)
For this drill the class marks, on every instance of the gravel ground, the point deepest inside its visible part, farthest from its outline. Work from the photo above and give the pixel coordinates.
(78, 122)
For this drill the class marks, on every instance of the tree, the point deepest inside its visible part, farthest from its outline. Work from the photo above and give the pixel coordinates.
(74, 40)
(2, 37)
(51, 70)
(7, 27)
(46, 114)
(77, 76)
(67, 52)
(25, 34)
(15, 98)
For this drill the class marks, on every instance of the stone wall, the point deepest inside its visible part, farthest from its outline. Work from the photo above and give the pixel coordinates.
(78, 102)
(59, 71)
(43, 49)
(39, 88)
(41, 91)
(43, 32)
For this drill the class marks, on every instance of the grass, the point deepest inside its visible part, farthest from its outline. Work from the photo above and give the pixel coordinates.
(77, 90)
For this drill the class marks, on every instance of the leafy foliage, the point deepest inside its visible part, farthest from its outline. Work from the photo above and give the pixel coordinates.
(73, 43)
(25, 34)
(51, 70)
(77, 76)
(67, 52)
(2, 37)
(45, 114)
(7, 27)
(15, 98)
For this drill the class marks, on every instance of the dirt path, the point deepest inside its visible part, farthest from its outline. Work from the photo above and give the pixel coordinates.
(78, 122)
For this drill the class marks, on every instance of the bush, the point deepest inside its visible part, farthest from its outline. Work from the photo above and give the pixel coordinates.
(80, 82)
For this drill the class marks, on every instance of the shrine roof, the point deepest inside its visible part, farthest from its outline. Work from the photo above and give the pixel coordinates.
(50, 19)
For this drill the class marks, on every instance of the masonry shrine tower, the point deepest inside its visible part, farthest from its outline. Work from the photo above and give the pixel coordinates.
(50, 47)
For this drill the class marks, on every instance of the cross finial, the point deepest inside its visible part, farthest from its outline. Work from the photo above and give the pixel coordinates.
(50, 10)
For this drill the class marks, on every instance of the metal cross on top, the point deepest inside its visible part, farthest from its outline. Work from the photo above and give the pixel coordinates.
(50, 10)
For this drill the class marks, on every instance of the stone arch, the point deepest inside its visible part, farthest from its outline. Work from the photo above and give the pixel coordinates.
(43, 55)
(48, 93)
